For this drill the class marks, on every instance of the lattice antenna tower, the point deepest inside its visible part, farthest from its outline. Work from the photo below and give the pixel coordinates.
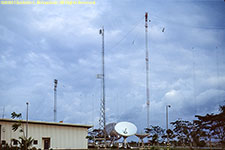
(102, 120)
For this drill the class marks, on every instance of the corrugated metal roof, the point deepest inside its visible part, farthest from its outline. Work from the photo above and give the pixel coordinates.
(47, 123)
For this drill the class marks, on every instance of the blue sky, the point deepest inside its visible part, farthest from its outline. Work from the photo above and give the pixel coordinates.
(40, 43)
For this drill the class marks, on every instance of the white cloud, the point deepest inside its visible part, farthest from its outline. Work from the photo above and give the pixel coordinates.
(6, 36)
(63, 42)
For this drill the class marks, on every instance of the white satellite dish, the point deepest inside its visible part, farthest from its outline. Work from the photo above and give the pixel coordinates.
(125, 129)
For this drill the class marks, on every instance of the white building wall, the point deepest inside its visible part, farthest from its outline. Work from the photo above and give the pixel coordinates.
(61, 137)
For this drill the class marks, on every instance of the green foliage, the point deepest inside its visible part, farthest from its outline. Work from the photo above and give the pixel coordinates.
(15, 115)
(170, 134)
(33, 148)
(155, 134)
(15, 126)
(24, 143)
(197, 133)
(90, 137)
(95, 133)
(213, 125)
(154, 148)
(182, 130)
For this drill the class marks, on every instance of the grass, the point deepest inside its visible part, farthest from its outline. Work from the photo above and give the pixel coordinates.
(161, 148)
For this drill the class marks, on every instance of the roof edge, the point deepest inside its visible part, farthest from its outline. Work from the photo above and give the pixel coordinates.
(48, 123)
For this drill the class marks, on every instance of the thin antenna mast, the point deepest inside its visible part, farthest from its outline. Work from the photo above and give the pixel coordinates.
(27, 121)
(102, 109)
(102, 121)
(55, 99)
(147, 68)
(3, 112)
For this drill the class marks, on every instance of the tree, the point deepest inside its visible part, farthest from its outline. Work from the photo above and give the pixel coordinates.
(96, 136)
(219, 126)
(213, 126)
(197, 133)
(170, 134)
(182, 130)
(18, 124)
(24, 142)
(155, 133)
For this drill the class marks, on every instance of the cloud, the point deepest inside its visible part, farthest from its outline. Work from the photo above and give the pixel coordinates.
(41, 43)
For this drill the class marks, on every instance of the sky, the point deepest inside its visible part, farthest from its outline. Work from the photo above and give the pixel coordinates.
(40, 43)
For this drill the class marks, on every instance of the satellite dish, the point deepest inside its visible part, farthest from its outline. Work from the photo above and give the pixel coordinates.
(111, 132)
(141, 136)
(126, 129)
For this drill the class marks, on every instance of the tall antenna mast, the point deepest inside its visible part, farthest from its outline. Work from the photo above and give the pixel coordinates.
(102, 121)
(102, 105)
(3, 112)
(147, 68)
(55, 98)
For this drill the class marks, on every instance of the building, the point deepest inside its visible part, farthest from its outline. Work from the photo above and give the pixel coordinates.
(46, 135)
